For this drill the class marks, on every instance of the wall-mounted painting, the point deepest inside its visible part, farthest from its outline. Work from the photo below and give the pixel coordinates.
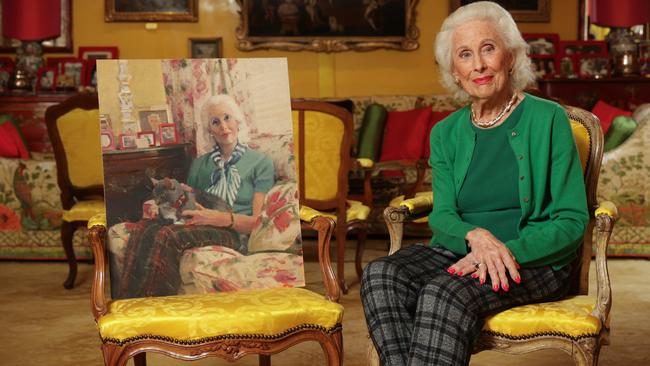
(521, 10)
(327, 26)
(151, 11)
(63, 43)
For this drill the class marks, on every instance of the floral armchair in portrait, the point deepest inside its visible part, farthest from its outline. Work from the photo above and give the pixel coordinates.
(274, 256)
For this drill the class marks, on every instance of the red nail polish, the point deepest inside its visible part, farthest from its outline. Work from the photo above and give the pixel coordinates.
(481, 281)
(474, 275)
(460, 273)
(495, 288)
(451, 270)
(505, 287)
(518, 279)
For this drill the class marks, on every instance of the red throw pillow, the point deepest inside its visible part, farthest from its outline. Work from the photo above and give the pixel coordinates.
(11, 145)
(404, 134)
(435, 118)
(606, 113)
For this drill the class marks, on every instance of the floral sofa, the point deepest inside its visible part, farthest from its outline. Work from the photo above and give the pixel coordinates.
(624, 177)
(30, 206)
(274, 257)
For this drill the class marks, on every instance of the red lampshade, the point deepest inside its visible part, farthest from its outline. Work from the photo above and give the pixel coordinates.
(31, 20)
(619, 13)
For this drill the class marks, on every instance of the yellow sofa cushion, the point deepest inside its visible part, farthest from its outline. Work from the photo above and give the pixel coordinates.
(355, 211)
(264, 312)
(571, 317)
(84, 210)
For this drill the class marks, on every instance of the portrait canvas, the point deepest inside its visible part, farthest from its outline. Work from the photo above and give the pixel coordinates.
(221, 214)
(544, 67)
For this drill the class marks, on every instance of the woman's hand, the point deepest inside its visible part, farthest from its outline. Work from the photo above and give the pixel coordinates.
(204, 216)
(488, 256)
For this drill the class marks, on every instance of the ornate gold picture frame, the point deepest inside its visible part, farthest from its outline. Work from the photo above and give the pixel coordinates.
(521, 10)
(326, 26)
(151, 11)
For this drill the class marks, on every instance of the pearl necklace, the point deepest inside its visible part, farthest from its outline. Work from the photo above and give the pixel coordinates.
(496, 119)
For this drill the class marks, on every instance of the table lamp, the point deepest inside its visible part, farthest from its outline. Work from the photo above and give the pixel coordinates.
(620, 15)
(30, 21)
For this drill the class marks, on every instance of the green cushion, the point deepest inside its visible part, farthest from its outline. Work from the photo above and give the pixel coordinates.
(622, 128)
(372, 131)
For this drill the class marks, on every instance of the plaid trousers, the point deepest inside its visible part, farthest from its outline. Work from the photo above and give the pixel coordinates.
(418, 314)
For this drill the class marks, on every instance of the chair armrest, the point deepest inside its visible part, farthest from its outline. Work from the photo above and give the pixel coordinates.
(97, 238)
(606, 216)
(325, 227)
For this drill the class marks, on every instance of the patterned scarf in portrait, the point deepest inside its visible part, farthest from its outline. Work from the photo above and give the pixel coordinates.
(225, 178)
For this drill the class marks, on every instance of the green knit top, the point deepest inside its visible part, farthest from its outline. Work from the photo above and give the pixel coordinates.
(493, 167)
(549, 176)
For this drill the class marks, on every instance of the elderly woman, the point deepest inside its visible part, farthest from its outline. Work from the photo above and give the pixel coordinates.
(233, 174)
(509, 203)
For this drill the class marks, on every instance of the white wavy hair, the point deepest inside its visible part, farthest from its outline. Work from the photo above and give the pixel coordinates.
(522, 73)
(227, 101)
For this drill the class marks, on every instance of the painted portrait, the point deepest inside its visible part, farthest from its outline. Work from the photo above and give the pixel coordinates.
(221, 213)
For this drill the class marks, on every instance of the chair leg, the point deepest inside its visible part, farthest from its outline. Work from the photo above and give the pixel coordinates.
(140, 359)
(265, 360)
(340, 258)
(358, 259)
(67, 230)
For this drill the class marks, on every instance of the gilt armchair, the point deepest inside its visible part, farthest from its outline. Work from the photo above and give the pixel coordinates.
(579, 324)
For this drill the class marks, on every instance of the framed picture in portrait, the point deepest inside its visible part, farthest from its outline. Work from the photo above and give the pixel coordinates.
(5, 76)
(151, 11)
(205, 47)
(644, 58)
(63, 43)
(327, 26)
(6, 62)
(167, 134)
(591, 48)
(46, 79)
(150, 136)
(542, 43)
(151, 118)
(593, 67)
(568, 67)
(107, 140)
(521, 10)
(90, 55)
(71, 74)
(127, 141)
(544, 66)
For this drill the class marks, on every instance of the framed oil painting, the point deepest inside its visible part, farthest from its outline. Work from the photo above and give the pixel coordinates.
(521, 10)
(327, 26)
(151, 10)
(200, 222)
(63, 43)
(206, 47)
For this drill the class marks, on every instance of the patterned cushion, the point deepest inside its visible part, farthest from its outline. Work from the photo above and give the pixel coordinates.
(278, 226)
(195, 317)
(571, 317)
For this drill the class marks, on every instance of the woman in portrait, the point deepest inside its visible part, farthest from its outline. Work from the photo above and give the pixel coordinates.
(509, 203)
(229, 184)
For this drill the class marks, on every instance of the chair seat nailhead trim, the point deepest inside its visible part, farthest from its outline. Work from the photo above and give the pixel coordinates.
(542, 334)
(334, 329)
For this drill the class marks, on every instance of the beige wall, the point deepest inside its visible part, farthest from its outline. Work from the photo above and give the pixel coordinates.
(311, 74)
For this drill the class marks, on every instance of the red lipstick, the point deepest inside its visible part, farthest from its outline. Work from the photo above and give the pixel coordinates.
(483, 80)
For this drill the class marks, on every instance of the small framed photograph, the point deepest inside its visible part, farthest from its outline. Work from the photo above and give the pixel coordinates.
(98, 53)
(205, 47)
(151, 118)
(150, 136)
(70, 74)
(544, 67)
(590, 48)
(104, 122)
(568, 67)
(6, 62)
(46, 79)
(168, 134)
(127, 141)
(107, 140)
(57, 62)
(593, 67)
(644, 58)
(542, 43)
(5, 76)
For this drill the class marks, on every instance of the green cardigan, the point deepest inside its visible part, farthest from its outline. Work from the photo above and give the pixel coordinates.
(551, 185)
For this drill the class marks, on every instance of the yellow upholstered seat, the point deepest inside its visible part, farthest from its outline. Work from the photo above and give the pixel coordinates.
(424, 199)
(570, 317)
(266, 312)
(84, 210)
(355, 211)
